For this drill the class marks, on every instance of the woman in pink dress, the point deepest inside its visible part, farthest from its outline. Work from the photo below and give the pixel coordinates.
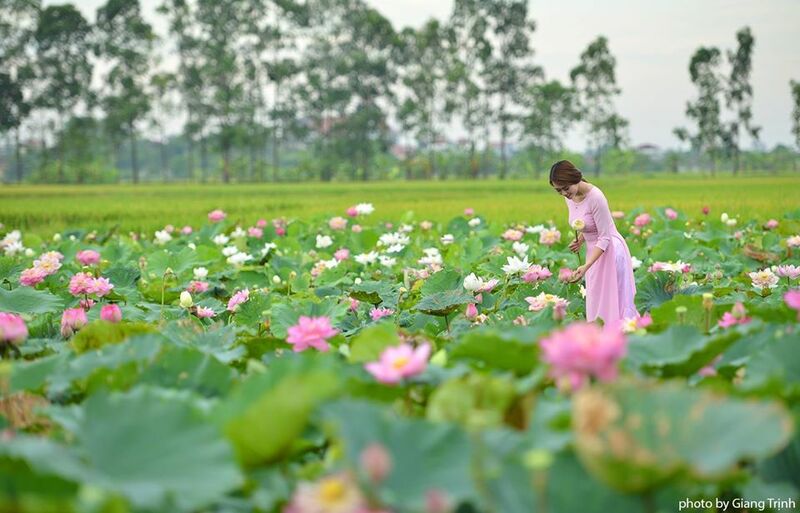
(608, 269)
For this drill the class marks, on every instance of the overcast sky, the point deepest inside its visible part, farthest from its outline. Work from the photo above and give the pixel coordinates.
(652, 41)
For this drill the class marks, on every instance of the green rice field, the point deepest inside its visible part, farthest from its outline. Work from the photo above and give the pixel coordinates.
(47, 208)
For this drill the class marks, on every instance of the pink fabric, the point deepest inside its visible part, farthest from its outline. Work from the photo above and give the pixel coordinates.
(609, 282)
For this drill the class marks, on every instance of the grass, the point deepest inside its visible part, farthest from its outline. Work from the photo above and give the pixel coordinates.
(47, 208)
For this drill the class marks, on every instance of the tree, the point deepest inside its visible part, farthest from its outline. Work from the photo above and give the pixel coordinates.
(125, 41)
(422, 77)
(550, 110)
(18, 19)
(509, 70)
(62, 65)
(594, 80)
(795, 89)
(163, 107)
(739, 95)
(470, 51)
(705, 110)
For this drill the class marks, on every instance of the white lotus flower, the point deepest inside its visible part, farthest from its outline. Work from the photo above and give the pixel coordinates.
(366, 258)
(239, 258)
(238, 233)
(515, 265)
(473, 283)
(520, 248)
(162, 237)
(395, 248)
(763, 279)
(635, 262)
(447, 238)
(329, 264)
(230, 250)
(387, 261)
(390, 239)
(475, 221)
(364, 209)
(406, 228)
(324, 241)
(221, 239)
(200, 273)
(267, 248)
(534, 229)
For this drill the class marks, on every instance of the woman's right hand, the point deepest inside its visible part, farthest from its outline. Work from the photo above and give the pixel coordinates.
(575, 245)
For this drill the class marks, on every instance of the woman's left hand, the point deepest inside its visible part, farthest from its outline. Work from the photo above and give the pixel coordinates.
(578, 273)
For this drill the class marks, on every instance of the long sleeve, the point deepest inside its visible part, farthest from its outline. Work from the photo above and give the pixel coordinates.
(602, 219)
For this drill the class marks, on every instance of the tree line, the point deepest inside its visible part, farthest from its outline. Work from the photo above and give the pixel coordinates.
(325, 89)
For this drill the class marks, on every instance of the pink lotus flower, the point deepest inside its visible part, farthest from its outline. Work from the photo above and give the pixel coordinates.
(99, 286)
(791, 272)
(487, 287)
(565, 274)
(32, 277)
(186, 230)
(342, 254)
(512, 235)
(376, 462)
(337, 493)
(398, 362)
(356, 228)
(549, 237)
(216, 216)
(111, 313)
(472, 311)
(538, 303)
(792, 299)
(635, 230)
(737, 315)
(255, 232)
(280, 231)
(12, 328)
(771, 224)
(469, 212)
(72, 320)
(261, 223)
(237, 299)
(706, 210)
(642, 220)
(196, 287)
(86, 303)
(311, 332)
(352, 211)
(354, 304)
(337, 223)
(536, 273)
(80, 283)
(88, 257)
(583, 350)
(671, 214)
(204, 312)
(169, 228)
(379, 313)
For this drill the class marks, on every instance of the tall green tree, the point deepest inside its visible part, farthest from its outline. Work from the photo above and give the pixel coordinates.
(795, 90)
(550, 110)
(471, 49)
(706, 108)
(125, 40)
(594, 80)
(510, 70)
(63, 69)
(421, 110)
(164, 106)
(18, 19)
(739, 95)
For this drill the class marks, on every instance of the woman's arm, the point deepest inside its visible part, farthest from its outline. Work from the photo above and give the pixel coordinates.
(598, 206)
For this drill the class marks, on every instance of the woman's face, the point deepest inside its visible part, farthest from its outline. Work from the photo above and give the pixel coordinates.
(566, 190)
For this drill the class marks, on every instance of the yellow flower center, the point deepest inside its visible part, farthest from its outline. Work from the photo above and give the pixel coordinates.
(332, 491)
(400, 362)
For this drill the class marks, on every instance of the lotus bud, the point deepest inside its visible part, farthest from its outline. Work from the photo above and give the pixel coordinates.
(681, 311)
(376, 462)
(186, 299)
(708, 300)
